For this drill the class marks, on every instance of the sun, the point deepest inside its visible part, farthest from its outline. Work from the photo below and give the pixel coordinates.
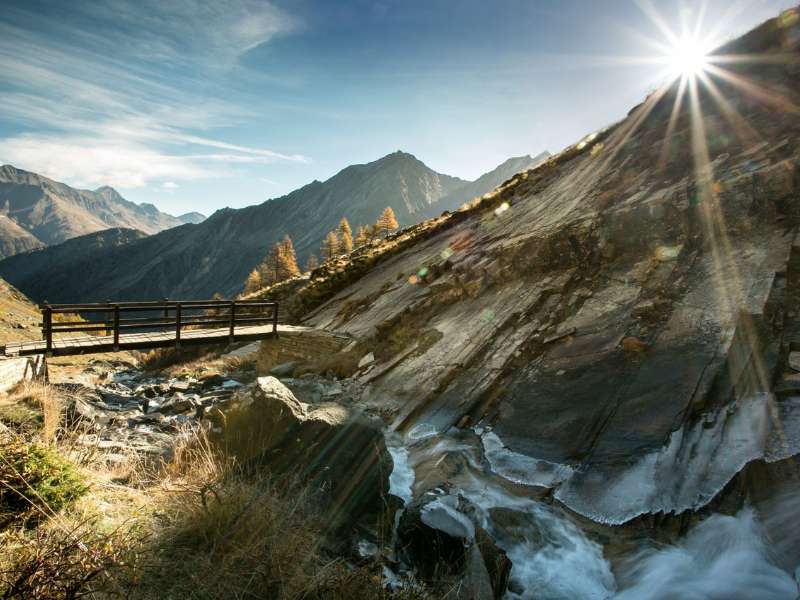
(688, 58)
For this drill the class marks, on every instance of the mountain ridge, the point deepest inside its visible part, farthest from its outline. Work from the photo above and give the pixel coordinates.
(195, 261)
(52, 212)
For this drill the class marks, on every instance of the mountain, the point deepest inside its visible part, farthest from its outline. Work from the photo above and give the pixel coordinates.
(59, 273)
(49, 212)
(192, 217)
(488, 181)
(619, 326)
(14, 239)
(195, 261)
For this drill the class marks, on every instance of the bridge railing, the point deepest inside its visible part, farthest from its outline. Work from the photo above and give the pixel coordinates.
(117, 318)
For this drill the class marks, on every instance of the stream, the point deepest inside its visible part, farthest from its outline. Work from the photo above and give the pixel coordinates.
(724, 557)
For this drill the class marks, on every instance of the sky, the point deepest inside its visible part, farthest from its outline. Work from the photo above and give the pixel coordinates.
(195, 105)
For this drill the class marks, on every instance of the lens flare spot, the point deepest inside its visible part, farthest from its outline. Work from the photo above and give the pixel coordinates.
(413, 280)
(422, 272)
(667, 253)
(446, 253)
(487, 316)
(501, 209)
(789, 18)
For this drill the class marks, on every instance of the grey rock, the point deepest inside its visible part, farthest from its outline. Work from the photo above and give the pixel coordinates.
(283, 370)
(325, 445)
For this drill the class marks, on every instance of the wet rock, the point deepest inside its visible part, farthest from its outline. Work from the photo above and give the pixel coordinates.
(179, 403)
(340, 452)
(441, 541)
(211, 381)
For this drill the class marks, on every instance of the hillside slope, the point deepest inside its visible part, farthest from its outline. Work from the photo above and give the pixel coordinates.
(196, 261)
(65, 267)
(617, 325)
(51, 212)
(19, 317)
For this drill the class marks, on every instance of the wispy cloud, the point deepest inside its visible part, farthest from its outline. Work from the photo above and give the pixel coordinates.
(118, 92)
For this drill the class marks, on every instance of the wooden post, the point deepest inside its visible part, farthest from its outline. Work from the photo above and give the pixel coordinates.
(116, 327)
(233, 319)
(178, 325)
(166, 308)
(48, 326)
(275, 319)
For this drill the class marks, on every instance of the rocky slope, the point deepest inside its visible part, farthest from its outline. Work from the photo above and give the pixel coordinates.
(614, 332)
(487, 182)
(49, 212)
(216, 255)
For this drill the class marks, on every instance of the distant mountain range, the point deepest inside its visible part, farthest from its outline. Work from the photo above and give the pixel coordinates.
(195, 261)
(36, 211)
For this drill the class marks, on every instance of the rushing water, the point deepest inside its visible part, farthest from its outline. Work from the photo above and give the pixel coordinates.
(721, 558)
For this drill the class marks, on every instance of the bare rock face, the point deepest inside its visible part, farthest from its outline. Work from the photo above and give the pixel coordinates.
(341, 452)
(619, 314)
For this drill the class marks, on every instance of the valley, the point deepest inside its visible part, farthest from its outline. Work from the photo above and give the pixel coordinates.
(576, 377)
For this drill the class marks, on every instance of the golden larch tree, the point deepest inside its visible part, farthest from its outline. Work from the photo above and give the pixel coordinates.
(287, 259)
(253, 282)
(387, 222)
(345, 237)
(330, 246)
(362, 236)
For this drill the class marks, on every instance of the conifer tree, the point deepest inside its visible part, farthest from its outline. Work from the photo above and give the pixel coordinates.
(287, 259)
(279, 264)
(387, 221)
(253, 282)
(330, 246)
(362, 236)
(345, 237)
(312, 263)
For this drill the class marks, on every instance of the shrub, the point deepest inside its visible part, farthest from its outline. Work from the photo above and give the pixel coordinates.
(35, 480)
(62, 562)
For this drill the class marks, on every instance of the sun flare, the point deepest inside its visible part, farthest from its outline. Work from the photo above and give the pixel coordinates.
(688, 58)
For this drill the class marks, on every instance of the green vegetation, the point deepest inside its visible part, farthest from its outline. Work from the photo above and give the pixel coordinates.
(35, 480)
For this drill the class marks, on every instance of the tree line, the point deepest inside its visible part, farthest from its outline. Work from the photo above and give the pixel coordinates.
(280, 263)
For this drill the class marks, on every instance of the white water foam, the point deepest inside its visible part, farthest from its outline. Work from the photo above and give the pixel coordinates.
(401, 480)
(685, 474)
(722, 558)
(551, 557)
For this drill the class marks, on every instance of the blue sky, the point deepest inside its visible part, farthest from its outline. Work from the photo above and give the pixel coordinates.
(197, 105)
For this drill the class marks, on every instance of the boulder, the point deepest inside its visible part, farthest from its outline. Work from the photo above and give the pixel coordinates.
(444, 545)
(284, 369)
(340, 452)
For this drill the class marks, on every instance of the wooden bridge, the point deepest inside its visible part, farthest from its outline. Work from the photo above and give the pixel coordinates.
(108, 327)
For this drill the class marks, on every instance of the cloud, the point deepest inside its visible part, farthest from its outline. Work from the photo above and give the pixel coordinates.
(169, 185)
(123, 93)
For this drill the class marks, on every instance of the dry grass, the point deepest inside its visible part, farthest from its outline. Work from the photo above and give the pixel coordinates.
(229, 533)
(34, 406)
